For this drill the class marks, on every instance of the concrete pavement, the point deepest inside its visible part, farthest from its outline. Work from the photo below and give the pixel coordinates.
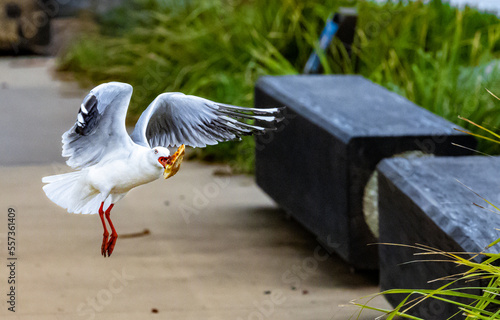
(35, 111)
(216, 247)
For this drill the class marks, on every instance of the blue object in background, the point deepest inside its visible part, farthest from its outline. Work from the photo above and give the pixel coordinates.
(329, 31)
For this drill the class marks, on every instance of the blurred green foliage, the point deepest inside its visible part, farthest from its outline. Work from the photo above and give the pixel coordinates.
(440, 57)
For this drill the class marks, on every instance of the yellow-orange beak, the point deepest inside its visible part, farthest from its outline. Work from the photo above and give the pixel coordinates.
(173, 163)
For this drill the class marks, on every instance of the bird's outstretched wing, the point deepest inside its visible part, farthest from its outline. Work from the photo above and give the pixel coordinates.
(173, 119)
(100, 125)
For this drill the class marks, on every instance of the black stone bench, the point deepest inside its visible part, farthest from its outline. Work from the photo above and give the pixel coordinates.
(337, 129)
(421, 202)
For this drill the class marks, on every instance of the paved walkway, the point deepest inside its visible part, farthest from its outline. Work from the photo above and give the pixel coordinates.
(216, 247)
(35, 111)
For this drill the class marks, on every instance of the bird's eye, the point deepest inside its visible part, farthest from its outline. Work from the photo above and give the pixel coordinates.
(156, 151)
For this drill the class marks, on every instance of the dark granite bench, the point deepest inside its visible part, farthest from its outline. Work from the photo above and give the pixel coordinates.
(337, 129)
(421, 202)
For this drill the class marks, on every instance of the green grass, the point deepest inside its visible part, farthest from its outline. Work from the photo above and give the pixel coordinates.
(435, 55)
(458, 289)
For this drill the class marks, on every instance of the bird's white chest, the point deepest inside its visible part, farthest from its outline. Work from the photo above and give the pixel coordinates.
(120, 176)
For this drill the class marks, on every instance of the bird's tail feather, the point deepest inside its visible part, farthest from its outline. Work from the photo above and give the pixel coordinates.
(65, 191)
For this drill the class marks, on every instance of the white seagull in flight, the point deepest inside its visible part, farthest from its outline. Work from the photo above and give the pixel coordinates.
(110, 162)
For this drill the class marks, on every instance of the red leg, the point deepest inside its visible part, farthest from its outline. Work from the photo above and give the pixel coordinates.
(112, 239)
(105, 234)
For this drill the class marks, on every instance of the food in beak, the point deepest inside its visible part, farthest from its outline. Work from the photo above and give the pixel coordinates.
(174, 163)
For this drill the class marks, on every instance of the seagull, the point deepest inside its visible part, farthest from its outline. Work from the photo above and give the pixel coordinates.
(109, 162)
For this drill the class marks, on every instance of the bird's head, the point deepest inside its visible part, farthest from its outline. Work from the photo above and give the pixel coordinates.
(170, 163)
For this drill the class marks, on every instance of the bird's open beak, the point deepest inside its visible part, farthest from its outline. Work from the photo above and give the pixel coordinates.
(173, 164)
